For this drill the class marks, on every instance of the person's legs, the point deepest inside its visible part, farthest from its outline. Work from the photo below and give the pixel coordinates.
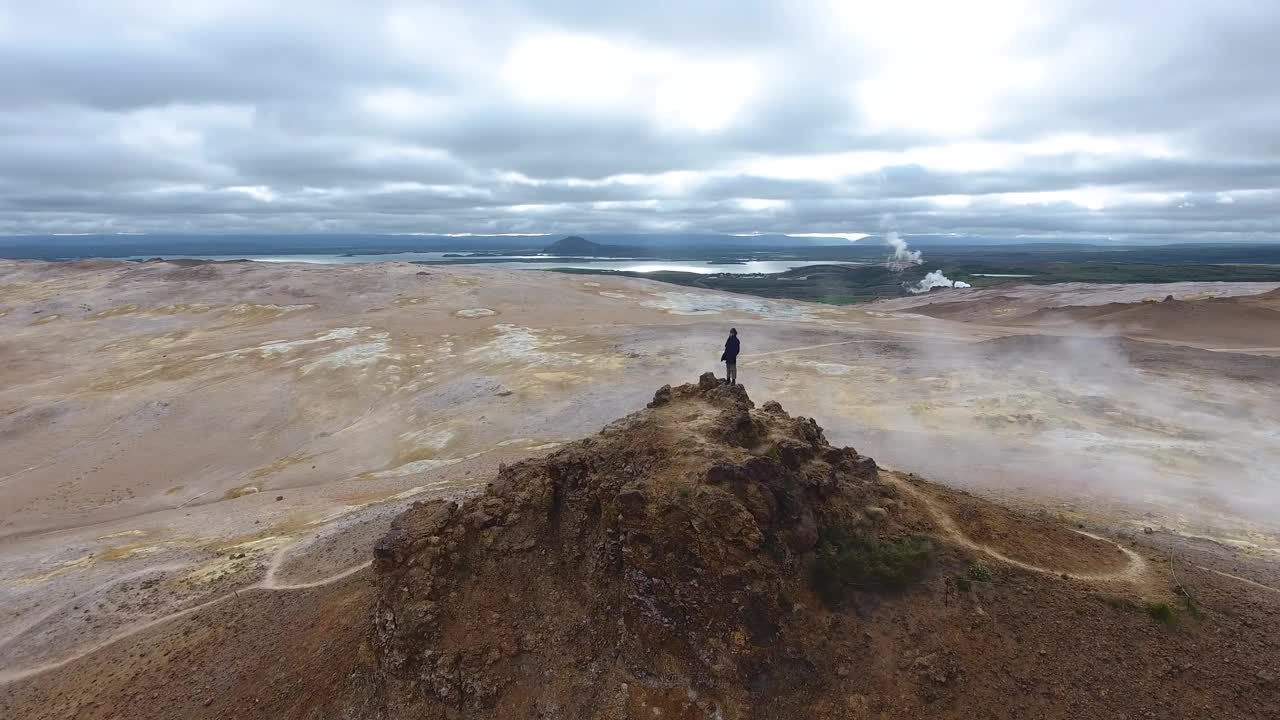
(733, 373)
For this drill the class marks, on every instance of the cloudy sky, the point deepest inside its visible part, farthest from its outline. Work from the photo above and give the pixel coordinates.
(1043, 119)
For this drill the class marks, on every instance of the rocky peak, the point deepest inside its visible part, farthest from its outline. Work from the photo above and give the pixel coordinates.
(654, 564)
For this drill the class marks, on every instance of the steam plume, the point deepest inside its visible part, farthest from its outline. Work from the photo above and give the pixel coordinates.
(903, 257)
(933, 280)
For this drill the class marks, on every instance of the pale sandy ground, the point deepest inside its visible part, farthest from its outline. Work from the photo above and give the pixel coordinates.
(170, 434)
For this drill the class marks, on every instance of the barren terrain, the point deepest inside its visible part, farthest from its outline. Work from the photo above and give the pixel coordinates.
(192, 452)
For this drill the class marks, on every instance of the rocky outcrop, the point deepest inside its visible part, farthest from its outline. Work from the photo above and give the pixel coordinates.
(651, 569)
(704, 558)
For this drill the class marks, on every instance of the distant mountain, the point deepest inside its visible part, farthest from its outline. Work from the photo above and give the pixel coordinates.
(579, 246)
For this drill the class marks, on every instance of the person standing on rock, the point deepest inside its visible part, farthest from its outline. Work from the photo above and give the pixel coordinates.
(730, 357)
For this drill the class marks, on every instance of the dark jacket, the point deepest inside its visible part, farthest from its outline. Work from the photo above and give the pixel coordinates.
(730, 350)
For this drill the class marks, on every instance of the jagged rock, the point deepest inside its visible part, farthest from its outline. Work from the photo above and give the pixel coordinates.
(662, 397)
(670, 566)
(665, 556)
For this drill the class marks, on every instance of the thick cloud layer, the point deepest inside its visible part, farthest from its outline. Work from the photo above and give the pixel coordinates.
(999, 118)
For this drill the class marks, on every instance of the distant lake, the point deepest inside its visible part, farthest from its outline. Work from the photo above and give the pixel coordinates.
(529, 262)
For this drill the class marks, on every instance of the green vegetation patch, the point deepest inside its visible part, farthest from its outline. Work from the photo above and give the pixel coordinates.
(979, 572)
(846, 561)
(1161, 612)
(830, 280)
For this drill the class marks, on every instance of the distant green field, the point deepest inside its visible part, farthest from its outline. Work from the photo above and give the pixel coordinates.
(845, 284)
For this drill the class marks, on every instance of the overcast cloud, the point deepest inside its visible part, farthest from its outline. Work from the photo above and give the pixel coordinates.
(1003, 118)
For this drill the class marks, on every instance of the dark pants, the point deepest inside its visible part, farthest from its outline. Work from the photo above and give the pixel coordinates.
(731, 371)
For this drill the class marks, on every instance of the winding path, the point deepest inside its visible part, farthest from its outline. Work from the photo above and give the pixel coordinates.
(1133, 572)
(1246, 581)
(267, 583)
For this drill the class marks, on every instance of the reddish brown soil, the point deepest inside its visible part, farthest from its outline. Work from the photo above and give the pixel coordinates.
(1037, 540)
(662, 569)
(1242, 321)
(1267, 300)
(261, 655)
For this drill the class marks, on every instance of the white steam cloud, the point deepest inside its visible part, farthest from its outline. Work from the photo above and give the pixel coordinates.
(933, 280)
(904, 257)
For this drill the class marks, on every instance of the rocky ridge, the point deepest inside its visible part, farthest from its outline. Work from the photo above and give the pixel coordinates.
(673, 566)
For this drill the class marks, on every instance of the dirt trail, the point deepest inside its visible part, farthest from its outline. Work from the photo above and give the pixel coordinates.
(675, 564)
(22, 629)
(1134, 572)
(1246, 581)
(267, 583)
(662, 566)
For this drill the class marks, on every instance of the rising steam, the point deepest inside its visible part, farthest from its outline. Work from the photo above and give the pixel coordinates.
(904, 257)
(933, 280)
